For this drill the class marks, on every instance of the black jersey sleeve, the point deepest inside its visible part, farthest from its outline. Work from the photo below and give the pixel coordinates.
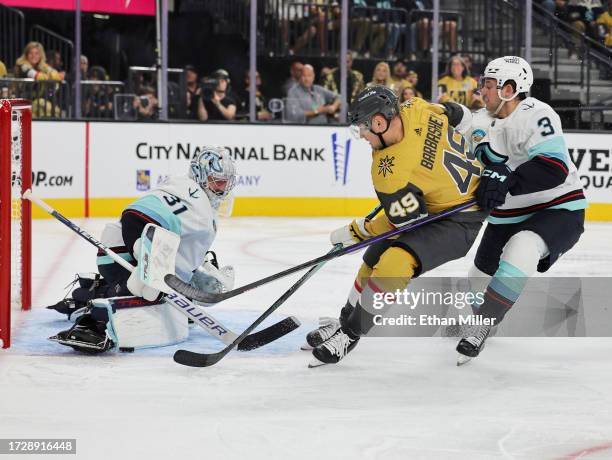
(132, 225)
(403, 205)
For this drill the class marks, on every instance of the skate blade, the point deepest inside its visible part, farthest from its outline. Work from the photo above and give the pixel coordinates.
(71, 343)
(306, 347)
(462, 359)
(316, 363)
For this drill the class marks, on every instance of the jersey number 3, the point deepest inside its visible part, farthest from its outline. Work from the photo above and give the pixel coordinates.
(459, 164)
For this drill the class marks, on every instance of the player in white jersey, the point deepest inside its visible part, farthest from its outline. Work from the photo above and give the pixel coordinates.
(185, 205)
(530, 186)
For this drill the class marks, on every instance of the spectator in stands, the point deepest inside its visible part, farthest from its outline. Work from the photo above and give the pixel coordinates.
(379, 28)
(218, 105)
(333, 18)
(295, 72)
(84, 67)
(549, 5)
(54, 59)
(604, 23)
(146, 104)
(581, 15)
(309, 22)
(399, 76)
(448, 25)
(457, 85)
(261, 111)
(5, 92)
(311, 101)
(360, 25)
(33, 64)
(413, 79)
(354, 83)
(97, 99)
(396, 25)
(406, 94)
(194, 92)
(323, 73)
(382, 76)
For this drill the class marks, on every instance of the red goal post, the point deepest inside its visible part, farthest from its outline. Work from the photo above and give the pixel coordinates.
(15, 213)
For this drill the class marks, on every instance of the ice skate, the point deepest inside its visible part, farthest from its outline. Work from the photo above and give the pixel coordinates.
(327, 328)
(469, 347)
(334, 349)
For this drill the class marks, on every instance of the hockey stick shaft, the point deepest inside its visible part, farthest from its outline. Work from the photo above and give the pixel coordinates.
(194, 293)
(189, 358)
(182, 304)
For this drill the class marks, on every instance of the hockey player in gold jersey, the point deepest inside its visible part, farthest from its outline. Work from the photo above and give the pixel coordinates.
(420, 165)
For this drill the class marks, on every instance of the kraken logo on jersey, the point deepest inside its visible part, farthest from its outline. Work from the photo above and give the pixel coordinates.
(384, 165)
(477, 135)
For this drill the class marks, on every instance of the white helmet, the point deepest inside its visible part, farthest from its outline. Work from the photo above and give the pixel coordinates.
(215, 171)
(513, 68)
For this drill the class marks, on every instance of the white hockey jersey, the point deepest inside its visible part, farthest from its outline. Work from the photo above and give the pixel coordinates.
(532, 131)
(181, 206)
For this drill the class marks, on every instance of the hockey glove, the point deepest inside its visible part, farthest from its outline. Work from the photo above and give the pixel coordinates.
(495, 181)
(350, 234)
(211, 278)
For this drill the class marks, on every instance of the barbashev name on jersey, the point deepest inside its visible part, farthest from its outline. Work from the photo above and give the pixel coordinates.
(432, 320)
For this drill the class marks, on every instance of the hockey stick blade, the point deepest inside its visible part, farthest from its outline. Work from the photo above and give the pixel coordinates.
(269, 334)
(250, 342)
(189, 358)
(201, 296)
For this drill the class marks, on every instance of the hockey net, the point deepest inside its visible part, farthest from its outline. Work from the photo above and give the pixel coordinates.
(15, 213)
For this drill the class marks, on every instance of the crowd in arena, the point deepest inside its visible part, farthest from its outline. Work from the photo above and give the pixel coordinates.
(391, 35)
(590, 17)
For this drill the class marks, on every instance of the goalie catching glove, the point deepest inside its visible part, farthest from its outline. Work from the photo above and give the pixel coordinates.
(211, 278)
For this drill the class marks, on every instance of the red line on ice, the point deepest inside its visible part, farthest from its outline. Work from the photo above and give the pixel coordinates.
(588, 451)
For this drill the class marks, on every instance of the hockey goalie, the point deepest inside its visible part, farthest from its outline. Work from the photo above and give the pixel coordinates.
(115, 308)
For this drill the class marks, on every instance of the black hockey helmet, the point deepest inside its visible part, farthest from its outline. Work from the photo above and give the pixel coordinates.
(372, 101)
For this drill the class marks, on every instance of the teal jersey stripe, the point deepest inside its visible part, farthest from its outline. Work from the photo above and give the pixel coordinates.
(105, 260)
(572, 205)
(485, 149)
(551, 148)
(508, 220)
(153, 207)
(509, 281)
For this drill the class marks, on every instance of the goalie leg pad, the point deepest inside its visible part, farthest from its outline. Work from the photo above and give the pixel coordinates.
(135, 323)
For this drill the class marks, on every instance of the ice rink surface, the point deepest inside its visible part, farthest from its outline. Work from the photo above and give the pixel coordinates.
(391, 398)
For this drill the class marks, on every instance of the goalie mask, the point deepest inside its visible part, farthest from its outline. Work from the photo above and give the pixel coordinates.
(215, 172)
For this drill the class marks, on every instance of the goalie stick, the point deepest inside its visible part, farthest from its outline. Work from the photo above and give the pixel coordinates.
(201, 296)
(182, 304)
(190, 358)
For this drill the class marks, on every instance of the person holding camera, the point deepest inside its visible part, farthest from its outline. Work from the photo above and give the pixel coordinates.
(146, 104)
(216, 103)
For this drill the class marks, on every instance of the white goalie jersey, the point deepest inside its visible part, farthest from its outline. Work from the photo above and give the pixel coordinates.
(180, 205)
(531, 132)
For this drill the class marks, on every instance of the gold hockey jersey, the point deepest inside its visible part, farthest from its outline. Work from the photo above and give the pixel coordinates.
(428, 171)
